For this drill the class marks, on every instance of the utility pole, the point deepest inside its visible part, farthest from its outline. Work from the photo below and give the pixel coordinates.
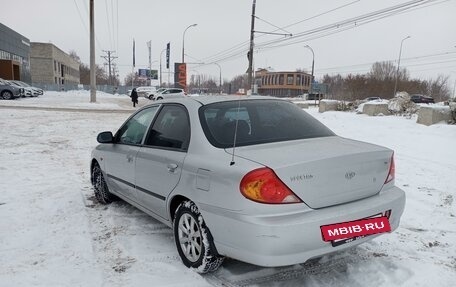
(109, 58)
(93, 87)
(398, 65)
(250, 54)
(149, 46)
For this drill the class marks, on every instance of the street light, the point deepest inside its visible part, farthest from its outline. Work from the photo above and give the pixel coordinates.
(398, 64)
(161, 56)
(313, 65)
(183, 41)
(220, 76)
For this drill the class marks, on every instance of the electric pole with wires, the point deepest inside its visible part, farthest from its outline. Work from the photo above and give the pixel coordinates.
(110, 58)
(250, 53)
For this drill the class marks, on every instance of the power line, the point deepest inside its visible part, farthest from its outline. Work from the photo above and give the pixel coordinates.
(343, 69)
(347, 23)
(117, 22)
(109, 24)
(112, 22)
(241, 48)
(87, 15)
(330, 29)
(80, 17)
(405, 60)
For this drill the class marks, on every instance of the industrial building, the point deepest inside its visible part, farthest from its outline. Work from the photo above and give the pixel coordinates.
(14, 55)
(50, 65)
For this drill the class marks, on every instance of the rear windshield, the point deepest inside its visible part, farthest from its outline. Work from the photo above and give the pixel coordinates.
(257, 122)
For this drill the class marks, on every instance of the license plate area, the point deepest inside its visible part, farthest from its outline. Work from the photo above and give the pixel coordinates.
(346, 232)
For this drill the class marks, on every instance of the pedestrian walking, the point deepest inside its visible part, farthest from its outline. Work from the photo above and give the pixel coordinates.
(134, 97)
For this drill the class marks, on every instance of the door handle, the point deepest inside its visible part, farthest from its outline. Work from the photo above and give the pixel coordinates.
(129, 158)
(172, 167)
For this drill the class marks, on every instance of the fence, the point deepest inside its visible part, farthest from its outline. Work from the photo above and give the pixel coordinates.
(103, 88)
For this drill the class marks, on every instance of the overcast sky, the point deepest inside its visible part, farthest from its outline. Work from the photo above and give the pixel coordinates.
(225, 24)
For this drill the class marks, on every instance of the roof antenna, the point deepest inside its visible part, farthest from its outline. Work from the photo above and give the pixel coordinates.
(235, 132)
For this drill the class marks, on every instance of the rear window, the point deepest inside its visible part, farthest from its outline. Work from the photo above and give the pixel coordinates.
(257, 122)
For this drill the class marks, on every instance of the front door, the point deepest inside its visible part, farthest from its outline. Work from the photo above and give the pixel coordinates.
(121, 156)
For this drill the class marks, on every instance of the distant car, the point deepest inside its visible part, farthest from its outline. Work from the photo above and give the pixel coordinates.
(151, 95)
(234, 178)
(420, 99)
(312, 97)
(169, 93)
(9, 91)
(372, 99)
(34, 91)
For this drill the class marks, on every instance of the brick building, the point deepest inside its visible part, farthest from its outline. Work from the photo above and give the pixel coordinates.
(50, 65)
(282, 84)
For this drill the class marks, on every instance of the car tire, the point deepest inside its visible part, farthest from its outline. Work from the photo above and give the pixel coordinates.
(100, 187)
(7, 95)
(151, 97)
(194, 241)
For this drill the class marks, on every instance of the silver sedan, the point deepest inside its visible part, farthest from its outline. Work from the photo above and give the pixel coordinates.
(256, 179)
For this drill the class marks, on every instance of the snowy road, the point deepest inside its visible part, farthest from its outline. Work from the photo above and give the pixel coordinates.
(53, 233)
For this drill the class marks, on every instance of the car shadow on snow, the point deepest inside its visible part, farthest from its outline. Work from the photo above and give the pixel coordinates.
(359, 266)
(354, 267)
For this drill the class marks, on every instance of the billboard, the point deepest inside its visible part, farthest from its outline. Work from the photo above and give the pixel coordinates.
(168, 47)
(180, 75)
(149, 74)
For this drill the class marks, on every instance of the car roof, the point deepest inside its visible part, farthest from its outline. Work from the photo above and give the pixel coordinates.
(206, 100)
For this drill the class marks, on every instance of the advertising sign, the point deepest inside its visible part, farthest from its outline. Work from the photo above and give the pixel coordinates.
(167, 55)
(180, 75)
(149, 74)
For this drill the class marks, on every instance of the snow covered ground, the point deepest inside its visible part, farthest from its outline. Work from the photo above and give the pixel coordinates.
(53, 233)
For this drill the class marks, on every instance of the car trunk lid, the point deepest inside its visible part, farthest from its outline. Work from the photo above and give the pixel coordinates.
(324, 171)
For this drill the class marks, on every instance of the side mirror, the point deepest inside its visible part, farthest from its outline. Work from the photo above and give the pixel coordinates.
(105, 137)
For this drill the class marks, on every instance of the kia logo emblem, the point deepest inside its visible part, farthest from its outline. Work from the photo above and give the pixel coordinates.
(350, 174)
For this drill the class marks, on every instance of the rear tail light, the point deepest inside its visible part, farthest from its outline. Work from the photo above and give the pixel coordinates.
(262, 185)
(392, 170)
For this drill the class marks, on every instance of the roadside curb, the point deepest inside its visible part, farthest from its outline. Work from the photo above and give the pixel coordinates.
(75, 110)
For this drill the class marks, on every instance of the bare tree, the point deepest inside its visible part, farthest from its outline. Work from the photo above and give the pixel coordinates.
(383, 71)
(84, 72)
(438, 88)
(335, 86)
(238, 82)
(73, 55)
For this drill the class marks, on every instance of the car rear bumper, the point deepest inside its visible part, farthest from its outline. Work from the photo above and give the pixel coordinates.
(287, 239)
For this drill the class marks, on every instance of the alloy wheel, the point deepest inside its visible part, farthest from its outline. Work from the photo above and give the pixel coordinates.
(190, 237)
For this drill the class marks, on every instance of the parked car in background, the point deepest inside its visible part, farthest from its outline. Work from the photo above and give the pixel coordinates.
(169, 93)
(26, 91)
(232, 177)
(420, 99)
(372, 99)
(314, 97)
(34, 91)
(151, 95)
(8, 91)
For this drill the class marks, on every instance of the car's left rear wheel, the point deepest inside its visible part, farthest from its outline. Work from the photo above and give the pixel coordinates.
(193, 239)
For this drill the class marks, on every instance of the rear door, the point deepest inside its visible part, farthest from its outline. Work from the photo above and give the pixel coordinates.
(159, 162)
